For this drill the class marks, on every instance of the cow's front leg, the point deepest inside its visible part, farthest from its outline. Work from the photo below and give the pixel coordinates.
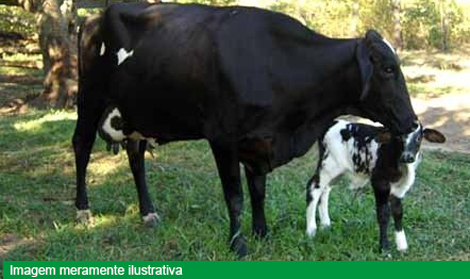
(135, 152)
(226, 158)
(257, 187)
(397, 213)
(382, 194)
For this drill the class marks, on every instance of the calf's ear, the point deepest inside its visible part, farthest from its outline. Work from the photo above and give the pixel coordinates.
(365, 67)
(432, 135)
(383, 136)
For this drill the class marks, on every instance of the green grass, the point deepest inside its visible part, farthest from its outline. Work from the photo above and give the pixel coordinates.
(37, 212)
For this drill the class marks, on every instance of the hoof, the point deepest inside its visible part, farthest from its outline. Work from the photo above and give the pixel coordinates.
(260, 231)
(385, 252)
(311, 232)
(238, 245)
(84, 216)
(151, 220)
(400, 240)
(402, 250)
(326, 226)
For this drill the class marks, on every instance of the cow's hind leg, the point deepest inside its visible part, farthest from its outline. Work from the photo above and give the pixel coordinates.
(226, 158)
(84, 136)
(135, 153)
(257, 186)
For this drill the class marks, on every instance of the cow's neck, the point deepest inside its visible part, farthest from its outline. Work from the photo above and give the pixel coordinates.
(338, 94)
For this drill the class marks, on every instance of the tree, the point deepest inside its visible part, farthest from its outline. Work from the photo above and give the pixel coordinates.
(444, 22)
(354, 17)
(397, 40)
(56, 21)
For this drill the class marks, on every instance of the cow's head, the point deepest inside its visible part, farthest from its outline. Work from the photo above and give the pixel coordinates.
(384, 96)
(412, 142)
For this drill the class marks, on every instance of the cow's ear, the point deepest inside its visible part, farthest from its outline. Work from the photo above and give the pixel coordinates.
(372, 35)
(432, 135)
(383, 136)
(365, 67)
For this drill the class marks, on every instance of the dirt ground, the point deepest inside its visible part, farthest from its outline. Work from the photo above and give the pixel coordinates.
(450, 114)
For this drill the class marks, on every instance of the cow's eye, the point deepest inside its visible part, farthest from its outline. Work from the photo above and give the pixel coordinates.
(388, 70)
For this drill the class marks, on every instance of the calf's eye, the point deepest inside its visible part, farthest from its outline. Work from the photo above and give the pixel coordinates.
(388, 70)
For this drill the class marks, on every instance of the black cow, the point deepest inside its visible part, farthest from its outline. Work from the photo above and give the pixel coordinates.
(368, 154)
(258, 85)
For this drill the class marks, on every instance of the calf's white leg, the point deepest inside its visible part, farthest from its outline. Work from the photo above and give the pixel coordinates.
(323, 208)
(326, 172)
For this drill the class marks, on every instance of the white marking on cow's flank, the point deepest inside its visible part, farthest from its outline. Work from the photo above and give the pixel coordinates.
(389, 45)
(116, 135)
(103, 49)
(400, 240)
(122, 55)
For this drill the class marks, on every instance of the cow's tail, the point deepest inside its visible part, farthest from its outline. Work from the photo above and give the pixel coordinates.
(90, 41)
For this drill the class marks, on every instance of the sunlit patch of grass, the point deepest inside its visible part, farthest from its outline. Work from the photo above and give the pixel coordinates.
(35, 124)
(22, 57)
(15, 71)
(105, 164)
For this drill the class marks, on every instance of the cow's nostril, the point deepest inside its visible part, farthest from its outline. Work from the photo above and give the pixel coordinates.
(407, 158)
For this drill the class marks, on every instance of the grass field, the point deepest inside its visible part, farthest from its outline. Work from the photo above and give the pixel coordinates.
(37, 212)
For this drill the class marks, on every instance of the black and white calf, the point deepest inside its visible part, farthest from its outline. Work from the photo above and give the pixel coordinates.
(368, 153)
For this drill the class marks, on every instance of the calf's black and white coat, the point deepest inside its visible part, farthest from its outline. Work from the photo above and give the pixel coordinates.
(368, 154)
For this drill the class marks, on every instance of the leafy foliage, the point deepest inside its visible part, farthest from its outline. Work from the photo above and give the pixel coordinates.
(14, 19)
(422, 20)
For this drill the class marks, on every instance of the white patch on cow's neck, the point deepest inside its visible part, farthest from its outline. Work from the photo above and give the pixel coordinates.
(402, 186)
(389, 45)
(103, 49)
(400, 240)
(122, 55)
(116, 135)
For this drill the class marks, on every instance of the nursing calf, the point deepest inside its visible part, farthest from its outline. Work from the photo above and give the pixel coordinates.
(368, 153)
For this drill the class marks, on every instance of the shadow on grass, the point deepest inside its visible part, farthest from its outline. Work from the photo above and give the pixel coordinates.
(450, 116)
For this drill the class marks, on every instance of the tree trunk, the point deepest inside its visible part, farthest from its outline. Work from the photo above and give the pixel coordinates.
(56, 20)
(354, 18)
(397, 40)
(444, 25)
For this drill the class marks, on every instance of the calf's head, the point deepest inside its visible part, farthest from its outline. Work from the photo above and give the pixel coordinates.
(384, 95)
(412, 141)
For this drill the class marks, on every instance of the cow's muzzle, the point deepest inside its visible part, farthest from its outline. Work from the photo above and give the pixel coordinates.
(407, 157)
